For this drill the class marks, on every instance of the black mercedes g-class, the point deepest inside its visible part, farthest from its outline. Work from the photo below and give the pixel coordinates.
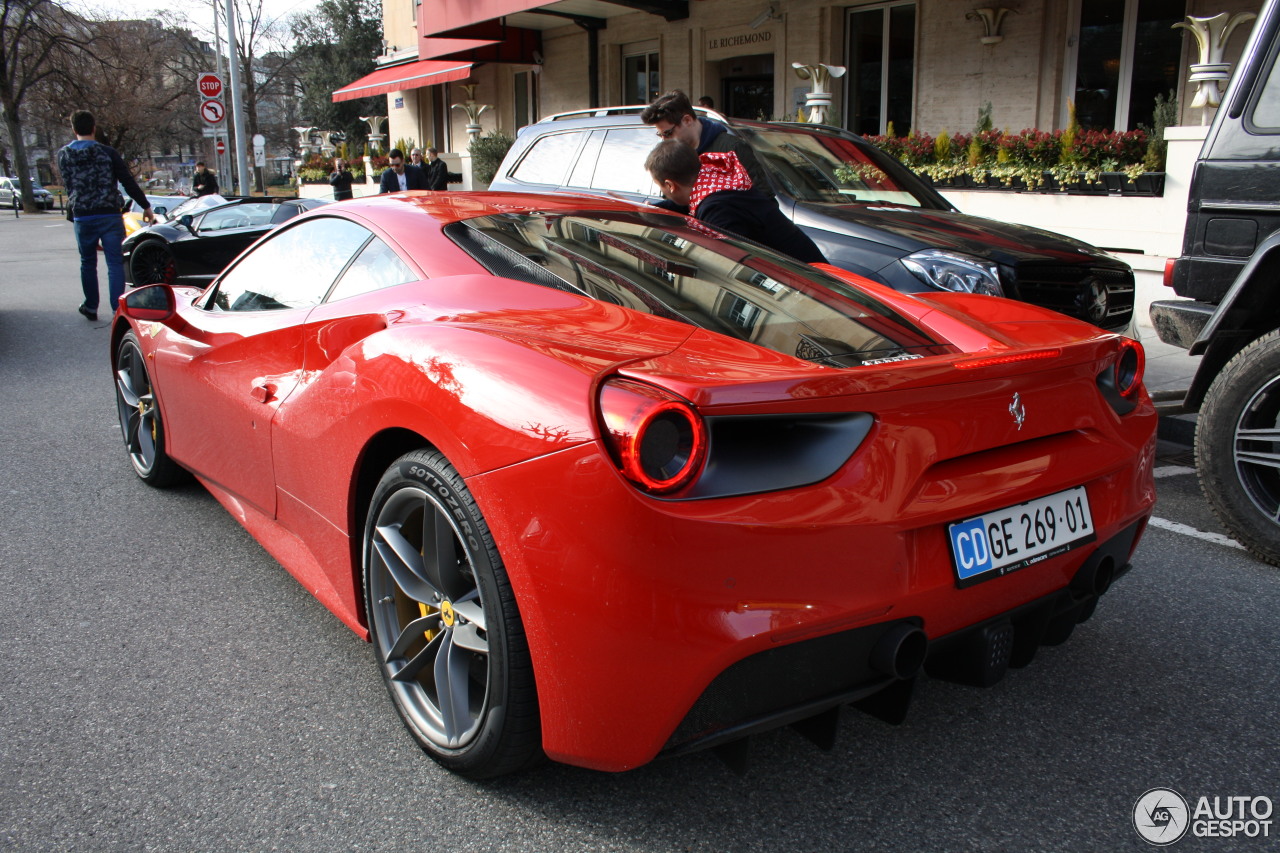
(1229, 274)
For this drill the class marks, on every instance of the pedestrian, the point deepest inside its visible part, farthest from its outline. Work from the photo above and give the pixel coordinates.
(716, 189)
(91, 173)
(436, 171)
(341, 179)
(706, 103)
(399, 175)
(674, 118)
(415, 157)
(204, 182)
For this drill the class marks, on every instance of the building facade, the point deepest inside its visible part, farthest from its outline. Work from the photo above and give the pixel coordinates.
(924, 65)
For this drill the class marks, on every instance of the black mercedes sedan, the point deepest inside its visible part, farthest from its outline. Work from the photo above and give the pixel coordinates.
(202, 236)
(866, 212)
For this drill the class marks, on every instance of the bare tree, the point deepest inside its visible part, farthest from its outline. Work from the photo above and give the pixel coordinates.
(138, 85)
(38, 41)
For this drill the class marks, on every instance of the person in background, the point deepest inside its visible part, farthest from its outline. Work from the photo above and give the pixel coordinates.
(341, 179)
(673, 117)
(716, 189)
(399, 175)
(706, 103)
(91, 173)
(436, 171)
(204, 182)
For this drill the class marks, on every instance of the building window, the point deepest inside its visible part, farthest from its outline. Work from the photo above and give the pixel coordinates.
(640, 82)
(1125, 54)
(526, 98)
(882, 68)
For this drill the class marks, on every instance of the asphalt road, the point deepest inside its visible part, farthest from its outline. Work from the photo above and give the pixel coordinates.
(167, 686)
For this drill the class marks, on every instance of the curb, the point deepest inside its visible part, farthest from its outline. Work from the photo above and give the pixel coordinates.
(1180, 429)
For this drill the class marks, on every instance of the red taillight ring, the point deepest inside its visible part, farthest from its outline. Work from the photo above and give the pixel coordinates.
(1129, 368)
(657, 438)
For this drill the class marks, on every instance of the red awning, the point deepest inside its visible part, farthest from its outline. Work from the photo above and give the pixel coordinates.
(397, 78)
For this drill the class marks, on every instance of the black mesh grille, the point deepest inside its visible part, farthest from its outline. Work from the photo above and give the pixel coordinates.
(1070, 289)
(781, 678)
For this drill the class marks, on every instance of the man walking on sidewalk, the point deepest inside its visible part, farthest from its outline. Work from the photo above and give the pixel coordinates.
(90, 172)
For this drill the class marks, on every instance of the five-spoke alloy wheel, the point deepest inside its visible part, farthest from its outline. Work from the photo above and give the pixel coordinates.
(140, 417)
(444, 623)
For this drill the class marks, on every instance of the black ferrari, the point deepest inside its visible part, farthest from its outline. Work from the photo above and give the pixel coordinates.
(202, 236)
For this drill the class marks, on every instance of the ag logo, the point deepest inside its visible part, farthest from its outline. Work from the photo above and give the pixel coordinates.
(1161, 816)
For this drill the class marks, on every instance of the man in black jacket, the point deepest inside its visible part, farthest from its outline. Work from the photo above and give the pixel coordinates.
(674, 118)
(436, 171)
(341, 180)
(91, 172)
(204, 182)
(716, 189)
(400, 175)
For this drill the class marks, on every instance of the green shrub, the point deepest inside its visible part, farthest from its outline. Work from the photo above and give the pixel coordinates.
(487, 153)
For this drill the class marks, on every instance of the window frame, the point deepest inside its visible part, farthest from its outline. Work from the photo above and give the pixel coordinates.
(886, 6)
(1128, 48)
(651, 50)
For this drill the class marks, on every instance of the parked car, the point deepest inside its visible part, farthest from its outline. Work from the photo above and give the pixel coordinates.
(867, 212)
(1230, 310)
(160, 206)
(199, 238)
(11, 194)
(603, 484)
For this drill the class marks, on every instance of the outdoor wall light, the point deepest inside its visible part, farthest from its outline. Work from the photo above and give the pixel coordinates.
(992, 18)
(769, 14)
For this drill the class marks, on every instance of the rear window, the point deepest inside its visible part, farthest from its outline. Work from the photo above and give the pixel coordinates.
(548, 158)
(672, 267)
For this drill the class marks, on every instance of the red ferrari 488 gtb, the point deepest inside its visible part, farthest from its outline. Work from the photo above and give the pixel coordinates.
(601, 484)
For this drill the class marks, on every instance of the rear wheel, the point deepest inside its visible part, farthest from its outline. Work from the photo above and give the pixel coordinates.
(140, 418)
(1238, 447)
(152, 262)
(445, 628)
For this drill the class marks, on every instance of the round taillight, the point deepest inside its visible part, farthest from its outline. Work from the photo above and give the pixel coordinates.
(656, 438)
(1130, 363)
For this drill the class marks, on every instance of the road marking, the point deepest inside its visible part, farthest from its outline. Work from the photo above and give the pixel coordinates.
(1172, 471)
(1188, 530)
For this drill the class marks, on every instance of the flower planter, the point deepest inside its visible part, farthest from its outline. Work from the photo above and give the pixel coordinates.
(1150, 183)
(1115, 181)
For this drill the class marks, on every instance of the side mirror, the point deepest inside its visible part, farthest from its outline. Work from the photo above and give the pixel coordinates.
(186, 221)
(159, 210)
(154, 302)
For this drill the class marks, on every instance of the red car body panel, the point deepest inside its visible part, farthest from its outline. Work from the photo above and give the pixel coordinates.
(634, 604)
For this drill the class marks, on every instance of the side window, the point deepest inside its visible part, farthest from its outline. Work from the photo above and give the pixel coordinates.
(237, 216)
(291, 269)
(547, 160)
(377, 266)
(621, 164)
(1266, 112)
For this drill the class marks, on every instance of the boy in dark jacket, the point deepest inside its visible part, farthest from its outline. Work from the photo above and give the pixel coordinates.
(717, 190)
(674, 118)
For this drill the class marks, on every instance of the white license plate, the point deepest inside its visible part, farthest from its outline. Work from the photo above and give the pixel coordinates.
(1015, 537)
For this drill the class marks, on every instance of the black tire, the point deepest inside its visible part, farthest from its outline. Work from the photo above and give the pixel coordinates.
(152, 262)
(1238, 447)
(140, 423)
(444, 624)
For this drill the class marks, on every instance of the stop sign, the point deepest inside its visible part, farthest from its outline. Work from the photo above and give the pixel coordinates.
(220, 146)
(209, 85)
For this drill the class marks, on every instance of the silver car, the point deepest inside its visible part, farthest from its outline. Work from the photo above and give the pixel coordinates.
(11, 194)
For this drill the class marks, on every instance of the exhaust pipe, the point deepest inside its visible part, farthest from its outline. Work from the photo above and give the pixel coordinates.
(900, 651)
(1096, 579)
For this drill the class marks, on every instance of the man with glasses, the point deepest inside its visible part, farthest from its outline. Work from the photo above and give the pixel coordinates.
(673, 117)
(400, 176)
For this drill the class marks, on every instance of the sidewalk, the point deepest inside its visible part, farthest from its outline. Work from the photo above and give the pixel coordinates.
(1169, 368)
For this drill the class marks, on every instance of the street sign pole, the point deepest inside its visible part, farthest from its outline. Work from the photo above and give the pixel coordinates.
(237, 108)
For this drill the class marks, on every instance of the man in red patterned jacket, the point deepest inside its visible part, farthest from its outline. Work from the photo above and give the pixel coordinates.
(717, 190)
